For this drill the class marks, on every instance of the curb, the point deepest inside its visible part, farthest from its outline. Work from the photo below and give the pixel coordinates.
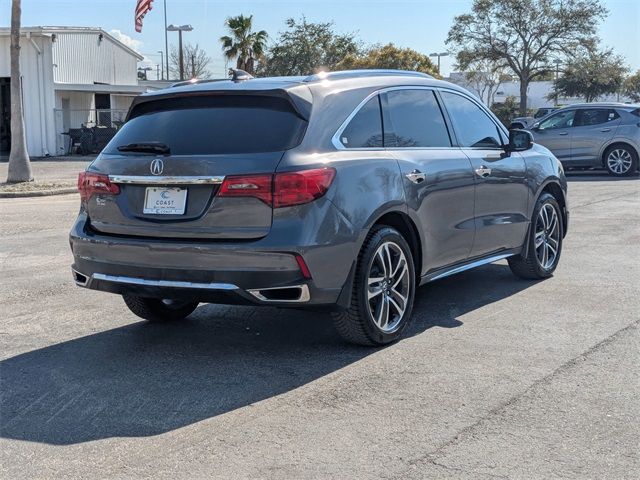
(39, 193)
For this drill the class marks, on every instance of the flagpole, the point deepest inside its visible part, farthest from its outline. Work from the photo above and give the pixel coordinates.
(166, 40)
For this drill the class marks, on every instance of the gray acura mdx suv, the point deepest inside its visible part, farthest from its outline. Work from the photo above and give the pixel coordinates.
(343, 191)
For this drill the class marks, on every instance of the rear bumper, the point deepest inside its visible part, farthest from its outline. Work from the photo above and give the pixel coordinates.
(244, 273)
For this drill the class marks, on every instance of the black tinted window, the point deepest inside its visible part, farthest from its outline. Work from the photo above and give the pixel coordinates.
(416, 120)
(365, 128)
(595, 116)
(213, 125)
(473, 126)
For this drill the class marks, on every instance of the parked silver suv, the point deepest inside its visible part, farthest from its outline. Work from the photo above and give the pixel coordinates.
(342, 191)
(593, 135)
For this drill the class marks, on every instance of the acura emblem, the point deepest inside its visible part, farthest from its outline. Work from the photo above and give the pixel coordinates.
(157, 166)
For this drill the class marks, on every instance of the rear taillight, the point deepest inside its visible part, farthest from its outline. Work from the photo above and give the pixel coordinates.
(258, 186)
(296, 188)
(282, 189)
(95, 183)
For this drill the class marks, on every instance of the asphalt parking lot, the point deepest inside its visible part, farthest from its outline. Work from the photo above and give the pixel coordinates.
(499, 377)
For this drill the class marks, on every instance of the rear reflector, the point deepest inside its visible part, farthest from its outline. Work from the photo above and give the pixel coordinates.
(304, 269)
(90, 184)
(282, 189)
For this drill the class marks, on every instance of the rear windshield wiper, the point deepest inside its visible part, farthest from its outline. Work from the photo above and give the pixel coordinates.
(149, 147)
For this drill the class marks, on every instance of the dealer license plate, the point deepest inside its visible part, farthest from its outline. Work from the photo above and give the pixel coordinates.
(165, 201)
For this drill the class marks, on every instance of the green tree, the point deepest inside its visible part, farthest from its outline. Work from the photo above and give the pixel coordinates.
(19, 169)
(306, 47)
(524, 34)
(243, 43)
(389, 57)
(591, 75)
(632, 87)
(505, 111)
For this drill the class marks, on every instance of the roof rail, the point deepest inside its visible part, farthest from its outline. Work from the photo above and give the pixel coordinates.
(363, 73)
(195, 81)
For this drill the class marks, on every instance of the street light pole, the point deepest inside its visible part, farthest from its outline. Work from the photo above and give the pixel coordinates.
(442, 54)
(181, 55)
(166, 40)
(180, 29)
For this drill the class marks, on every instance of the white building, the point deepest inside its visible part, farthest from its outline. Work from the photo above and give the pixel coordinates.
(72, 77)
(537, 93)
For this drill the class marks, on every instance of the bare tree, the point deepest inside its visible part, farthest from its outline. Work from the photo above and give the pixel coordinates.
(484, 77)
(196, 62)
(19, 163)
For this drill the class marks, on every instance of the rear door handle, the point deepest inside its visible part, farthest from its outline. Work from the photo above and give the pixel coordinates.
(483, 171)
(563, 133)
(605, 129)
(416, 176)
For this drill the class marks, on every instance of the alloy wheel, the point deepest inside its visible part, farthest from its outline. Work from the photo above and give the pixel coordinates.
(547, 239)
(619, 161)
(388, 287)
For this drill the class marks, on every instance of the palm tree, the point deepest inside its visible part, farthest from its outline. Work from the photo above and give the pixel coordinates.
(19, 165)
(242, 43)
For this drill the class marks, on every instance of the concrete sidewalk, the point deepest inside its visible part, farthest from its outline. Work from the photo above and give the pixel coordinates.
(60, 169)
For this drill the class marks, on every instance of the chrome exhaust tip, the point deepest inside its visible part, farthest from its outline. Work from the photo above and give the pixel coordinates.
(80, 279)
(292, 294)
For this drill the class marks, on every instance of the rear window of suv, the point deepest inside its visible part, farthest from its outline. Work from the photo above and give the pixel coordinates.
(208, 125)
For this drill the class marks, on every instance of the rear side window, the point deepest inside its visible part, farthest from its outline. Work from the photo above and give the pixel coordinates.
(595, 116)
(207, 125)
(365, 128)
(416, 120)
(474, 128)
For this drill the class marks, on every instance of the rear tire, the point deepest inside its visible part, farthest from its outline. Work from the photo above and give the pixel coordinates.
(383, 291)
(159, 310)
(544, 241)
(620, 160)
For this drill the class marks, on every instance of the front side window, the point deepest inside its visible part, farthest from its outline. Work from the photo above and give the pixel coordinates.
(595, 116)
(416, 120)
(365, 128)
(474, 128)
(559, 120)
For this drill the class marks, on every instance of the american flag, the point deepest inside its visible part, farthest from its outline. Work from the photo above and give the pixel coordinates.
(142, 8)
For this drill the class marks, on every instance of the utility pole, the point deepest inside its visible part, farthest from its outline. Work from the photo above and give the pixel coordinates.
(193, 65)
(162, 64)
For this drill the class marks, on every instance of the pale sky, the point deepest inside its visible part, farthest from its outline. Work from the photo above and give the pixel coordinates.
(419, 24)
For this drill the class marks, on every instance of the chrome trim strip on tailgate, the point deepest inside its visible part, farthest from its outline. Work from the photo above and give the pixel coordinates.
(162, 283)
(175, 180)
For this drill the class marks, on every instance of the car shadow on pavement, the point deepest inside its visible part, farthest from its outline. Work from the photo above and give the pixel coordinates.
(596, 176)
(147, 379)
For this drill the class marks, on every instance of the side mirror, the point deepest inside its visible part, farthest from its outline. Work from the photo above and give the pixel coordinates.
(519, 141)
(535, 126)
